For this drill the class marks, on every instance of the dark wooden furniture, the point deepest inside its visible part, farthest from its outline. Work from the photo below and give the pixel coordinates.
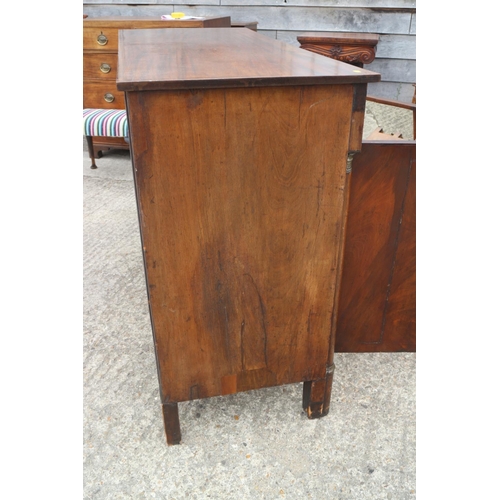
(353, 48)
(377, 308)
(100, 49)
(241, 148)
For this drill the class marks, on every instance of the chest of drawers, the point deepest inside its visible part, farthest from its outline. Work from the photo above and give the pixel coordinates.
(100, 61)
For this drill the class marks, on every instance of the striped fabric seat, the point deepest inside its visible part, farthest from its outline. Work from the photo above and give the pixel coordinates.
(105, 122)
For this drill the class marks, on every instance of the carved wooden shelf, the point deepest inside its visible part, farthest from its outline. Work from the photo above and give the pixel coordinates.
(353, 48)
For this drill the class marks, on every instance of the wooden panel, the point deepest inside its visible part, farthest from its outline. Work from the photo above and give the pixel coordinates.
(282, 17)
(221, 57)
(101, 143)
(241, 231)
(93, 95)
(400, 320)
(357, 118)
(92, 64)
(377, 300)
(329, 37)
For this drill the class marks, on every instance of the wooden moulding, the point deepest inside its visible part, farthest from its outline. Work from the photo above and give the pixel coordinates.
(353, 48)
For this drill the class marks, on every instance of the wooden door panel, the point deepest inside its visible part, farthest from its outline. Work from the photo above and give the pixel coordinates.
(377, 299)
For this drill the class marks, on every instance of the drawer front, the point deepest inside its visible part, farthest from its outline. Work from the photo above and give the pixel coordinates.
(102, 95)
(105, 39)
(100, 66)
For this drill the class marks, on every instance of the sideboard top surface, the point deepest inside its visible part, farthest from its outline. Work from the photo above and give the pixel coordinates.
(183, 58)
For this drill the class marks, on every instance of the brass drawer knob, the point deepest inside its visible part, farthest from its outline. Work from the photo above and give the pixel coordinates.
(102, 39)
(108, 97)
(105, 68)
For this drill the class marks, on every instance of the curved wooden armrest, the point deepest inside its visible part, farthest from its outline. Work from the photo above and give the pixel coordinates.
(391, 102)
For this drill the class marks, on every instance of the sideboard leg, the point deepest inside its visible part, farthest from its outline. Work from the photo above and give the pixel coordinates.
(317, 394)
(171, 423)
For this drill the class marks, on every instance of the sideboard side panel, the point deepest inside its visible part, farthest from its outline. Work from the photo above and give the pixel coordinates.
(241, 196)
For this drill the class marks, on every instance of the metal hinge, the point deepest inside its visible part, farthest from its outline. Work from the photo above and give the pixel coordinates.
(348, 168)
(330, 369)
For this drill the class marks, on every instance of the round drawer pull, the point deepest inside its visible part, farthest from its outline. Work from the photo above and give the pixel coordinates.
(102, 39)
(109, 97)
(105, 68)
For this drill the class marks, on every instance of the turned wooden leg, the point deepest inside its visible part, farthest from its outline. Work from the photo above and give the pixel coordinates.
(91, 150)
(317, 394)
(171, 423)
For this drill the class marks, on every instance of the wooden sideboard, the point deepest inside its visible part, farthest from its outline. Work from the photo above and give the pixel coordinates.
(242, 149)
(100, 60)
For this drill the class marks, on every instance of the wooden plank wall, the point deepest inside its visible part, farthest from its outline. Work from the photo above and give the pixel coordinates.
(393, 20)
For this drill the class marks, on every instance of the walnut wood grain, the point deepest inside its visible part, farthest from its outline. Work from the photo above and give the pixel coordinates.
(377, 306)
(222, 57)
(400, 322)
(241, 227)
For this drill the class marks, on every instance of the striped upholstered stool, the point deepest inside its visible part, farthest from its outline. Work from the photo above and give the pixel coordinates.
(104, 123)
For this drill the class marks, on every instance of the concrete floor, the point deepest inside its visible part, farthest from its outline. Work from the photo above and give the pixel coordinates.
(254, 445)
